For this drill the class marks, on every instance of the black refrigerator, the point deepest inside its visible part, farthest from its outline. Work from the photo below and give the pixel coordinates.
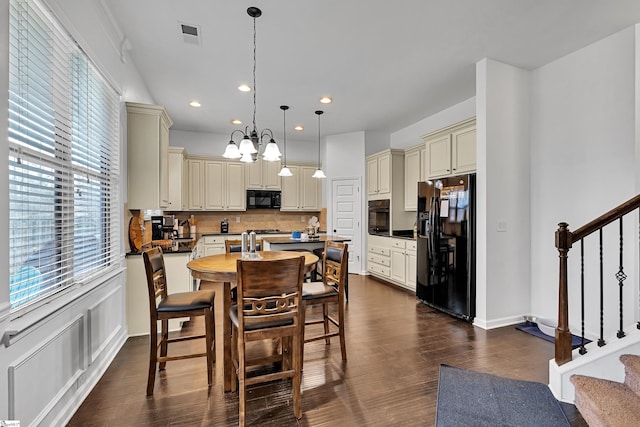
(446, 245)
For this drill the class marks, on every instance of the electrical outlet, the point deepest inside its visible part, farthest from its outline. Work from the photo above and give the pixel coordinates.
(501, 226)
(303, 218)
(237, 219)
(82, 378)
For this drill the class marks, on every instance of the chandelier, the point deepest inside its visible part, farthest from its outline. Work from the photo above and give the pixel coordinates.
(252, 140)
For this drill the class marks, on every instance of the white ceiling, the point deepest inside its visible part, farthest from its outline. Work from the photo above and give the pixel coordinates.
(386, 64)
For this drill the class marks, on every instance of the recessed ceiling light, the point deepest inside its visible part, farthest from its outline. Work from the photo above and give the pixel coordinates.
(325, 100)
(236, 121)
(244, 88)
(195, 104)
(298, 128)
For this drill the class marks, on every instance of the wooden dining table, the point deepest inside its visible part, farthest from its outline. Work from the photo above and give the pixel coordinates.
(218, 272)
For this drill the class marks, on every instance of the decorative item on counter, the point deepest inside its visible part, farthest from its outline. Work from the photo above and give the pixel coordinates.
(252, 242)
(312, 228)
(244, 243)
(192, 227)
(224, 225)
(304, 237)
(295, 234)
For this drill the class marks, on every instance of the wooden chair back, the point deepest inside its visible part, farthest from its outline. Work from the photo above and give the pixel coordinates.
(269, 290)
(334, 264)
(156, 278)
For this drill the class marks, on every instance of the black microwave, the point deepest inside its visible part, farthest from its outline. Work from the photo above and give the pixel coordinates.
(263, 199)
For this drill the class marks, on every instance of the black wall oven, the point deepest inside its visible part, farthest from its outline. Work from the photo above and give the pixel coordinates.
(379, 218)
(263, 199)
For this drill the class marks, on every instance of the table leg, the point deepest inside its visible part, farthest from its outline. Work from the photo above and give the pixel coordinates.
(228, 363)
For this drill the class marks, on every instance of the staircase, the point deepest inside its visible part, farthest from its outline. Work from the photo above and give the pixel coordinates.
(610, 403)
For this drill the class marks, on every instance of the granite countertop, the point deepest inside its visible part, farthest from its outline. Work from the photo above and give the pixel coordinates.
(321, 238)
(164, 252)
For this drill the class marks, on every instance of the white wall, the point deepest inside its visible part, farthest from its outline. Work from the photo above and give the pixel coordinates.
(375, 142)
(72, 340)
(412, 135)
(502, 285)
(582, 160)
(346, 155)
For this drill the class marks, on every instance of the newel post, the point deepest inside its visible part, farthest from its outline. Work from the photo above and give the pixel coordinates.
(563, 335)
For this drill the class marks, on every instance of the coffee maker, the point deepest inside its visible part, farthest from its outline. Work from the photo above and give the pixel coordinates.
(162, 227)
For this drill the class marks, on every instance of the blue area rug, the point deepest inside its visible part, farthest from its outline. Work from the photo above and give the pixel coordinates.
(532, 328)
(467, 398)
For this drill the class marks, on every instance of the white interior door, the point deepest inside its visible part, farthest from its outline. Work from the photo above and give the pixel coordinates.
(346, 217)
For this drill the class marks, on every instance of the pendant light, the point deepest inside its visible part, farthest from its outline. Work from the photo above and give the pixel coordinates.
(318, 173)
(285, 170)
(248, 150)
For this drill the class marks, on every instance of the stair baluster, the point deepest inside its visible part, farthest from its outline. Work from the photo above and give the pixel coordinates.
(583, 349)
(601, 341)
(621, 277)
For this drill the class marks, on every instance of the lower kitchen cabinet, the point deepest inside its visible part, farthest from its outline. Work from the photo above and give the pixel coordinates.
(379, 256)
(403, 263)
(393, 260)
(178, 280)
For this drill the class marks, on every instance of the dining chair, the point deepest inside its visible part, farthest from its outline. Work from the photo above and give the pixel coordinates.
(330, 290)
(164, 306)
(235, 245)
(269, 298)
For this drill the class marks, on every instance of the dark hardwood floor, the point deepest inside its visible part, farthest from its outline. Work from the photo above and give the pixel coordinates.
(395, 346)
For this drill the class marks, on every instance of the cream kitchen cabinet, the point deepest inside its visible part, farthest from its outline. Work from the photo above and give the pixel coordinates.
(148, 157)
(403, 263)
(263, 175)
(379, 256)
(385, 175)
(177, 179)
(216, 185)
(195, 173)
(452, 151)
(414, 172)
(301, 192)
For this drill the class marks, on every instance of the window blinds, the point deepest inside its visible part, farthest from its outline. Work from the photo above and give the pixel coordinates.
(63, 160)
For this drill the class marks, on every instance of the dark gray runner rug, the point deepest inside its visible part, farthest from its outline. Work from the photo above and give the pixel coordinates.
(467, 398)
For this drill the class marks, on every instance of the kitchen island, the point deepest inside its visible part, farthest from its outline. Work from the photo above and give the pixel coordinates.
(280, 243)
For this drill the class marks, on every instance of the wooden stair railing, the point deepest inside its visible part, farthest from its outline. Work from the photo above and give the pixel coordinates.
(564, 241)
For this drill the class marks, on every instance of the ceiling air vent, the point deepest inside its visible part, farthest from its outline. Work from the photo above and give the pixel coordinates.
(190, 34)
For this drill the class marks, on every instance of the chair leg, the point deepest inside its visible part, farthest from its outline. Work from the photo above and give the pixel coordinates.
(303, 311)
(297, 376)
(153, 357)
(343, 348)
(234, 359)
(210, 342)
(325, 317)
(165, 342)
(242, 366)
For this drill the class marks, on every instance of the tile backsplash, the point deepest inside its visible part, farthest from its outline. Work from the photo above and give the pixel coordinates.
(209, 222)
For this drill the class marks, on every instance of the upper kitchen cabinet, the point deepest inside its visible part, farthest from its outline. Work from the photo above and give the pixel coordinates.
(415, 170)
(263, 175)
(177, 179)
(216, 185)
(383, 169)
(301, 192)
(451, 151)
(148, 157)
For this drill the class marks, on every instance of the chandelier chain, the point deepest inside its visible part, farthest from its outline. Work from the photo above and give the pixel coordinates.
(254, 74)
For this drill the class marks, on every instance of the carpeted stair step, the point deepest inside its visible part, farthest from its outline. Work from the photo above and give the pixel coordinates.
(631, 364)
(606, 403)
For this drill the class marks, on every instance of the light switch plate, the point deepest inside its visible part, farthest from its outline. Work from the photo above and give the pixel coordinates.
(501, 225)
